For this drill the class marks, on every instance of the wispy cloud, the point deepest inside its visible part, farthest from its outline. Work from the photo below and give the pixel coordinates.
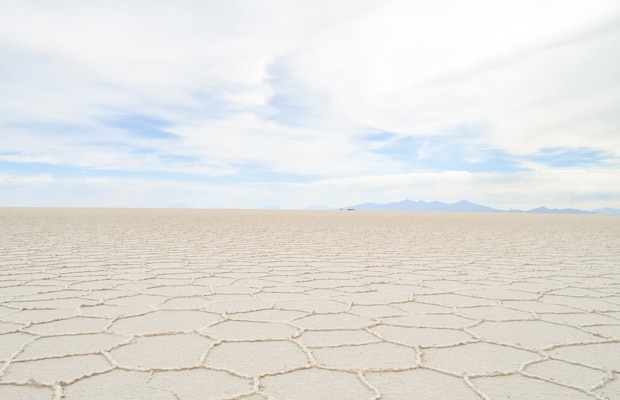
(296, 103)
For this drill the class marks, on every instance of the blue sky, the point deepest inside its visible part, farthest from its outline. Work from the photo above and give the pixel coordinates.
(245, 104)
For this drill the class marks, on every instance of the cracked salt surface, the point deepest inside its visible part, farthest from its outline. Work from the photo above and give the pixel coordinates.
(264, 305)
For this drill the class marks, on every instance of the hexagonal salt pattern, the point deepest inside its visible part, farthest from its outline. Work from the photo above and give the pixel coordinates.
(420, 383)
(257, 358)
(172, 351)
(257, 305)
(315, 383)
(201, 383)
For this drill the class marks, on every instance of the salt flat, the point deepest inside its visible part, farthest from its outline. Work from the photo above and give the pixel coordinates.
(207, 304)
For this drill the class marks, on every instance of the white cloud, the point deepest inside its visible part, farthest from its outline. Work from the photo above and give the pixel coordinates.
(586, 189)
(534, 75)
(519, 76)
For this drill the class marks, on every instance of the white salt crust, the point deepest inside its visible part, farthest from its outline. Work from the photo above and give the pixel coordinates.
(203, 304)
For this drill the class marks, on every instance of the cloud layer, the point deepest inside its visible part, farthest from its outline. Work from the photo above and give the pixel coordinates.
(256, 104)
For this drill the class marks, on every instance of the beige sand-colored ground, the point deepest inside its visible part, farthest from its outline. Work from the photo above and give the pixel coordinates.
(191, 304)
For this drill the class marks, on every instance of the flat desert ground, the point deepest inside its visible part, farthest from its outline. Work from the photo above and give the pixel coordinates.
(221, 304)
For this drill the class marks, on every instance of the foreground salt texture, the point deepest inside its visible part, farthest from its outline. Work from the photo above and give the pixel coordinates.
(195, 304)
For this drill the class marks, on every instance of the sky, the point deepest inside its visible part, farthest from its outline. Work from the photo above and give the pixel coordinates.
(292, 104)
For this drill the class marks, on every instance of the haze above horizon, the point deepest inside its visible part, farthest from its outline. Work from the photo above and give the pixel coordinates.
(244, 104)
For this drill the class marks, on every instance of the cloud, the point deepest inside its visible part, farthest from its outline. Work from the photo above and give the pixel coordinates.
(583, 188)
(289, 93)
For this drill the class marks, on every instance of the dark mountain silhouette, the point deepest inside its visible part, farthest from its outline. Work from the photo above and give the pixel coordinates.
(410, 205)
(466, 206)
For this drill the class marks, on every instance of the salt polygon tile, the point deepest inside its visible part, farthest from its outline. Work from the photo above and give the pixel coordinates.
(230, 297)
(494, 313)
(579, 319)
(366, 356)
(109, 294)
(330, 284)
(422, 308)
(478, 359)
(201, 383)
(578, 292)
(518, 387)
(321, 264)
(69, 303)
(314, 383)
(138, 300)
(257, 358)
(329, 275)
(582, 303)
(449, 285)
(334, 321)
(25, 290)
(419, 383)
(70, 326)
(281, 278)
(538, 307)
(352, 290)
(25, 392)
(36, 316)
(411, 277)
(167, 266)
(162, 351)
(164, 322)
(430, 321)
(271, 315)
(370, 298)
(609, 331)
(615, 314)
(531, 334)
(423, 337)
(254, 283)
(454, 300)
(8, 281)
(403, 289)
(185, 303)
(499, 294)
(57, 346)
(312, 305)
(250, 330)
(376, 311)
(6, 310)
(600, 355)
(613, 300)
(117, 385)
(136, 275)
(109, 311)
(213, 281)
(336, 337)
(178, 290)
(181, 278)
(11, 343)
(237, 306)
(287, 284)
(611, 390)
(566, 373)
(286, 295)
(89, 272)
(48, 371)
(97, 285)
(234, 290)
(133, 287)
(322, 293)
(534, 287)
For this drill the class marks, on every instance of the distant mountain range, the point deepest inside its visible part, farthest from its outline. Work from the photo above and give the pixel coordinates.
(466, 206)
